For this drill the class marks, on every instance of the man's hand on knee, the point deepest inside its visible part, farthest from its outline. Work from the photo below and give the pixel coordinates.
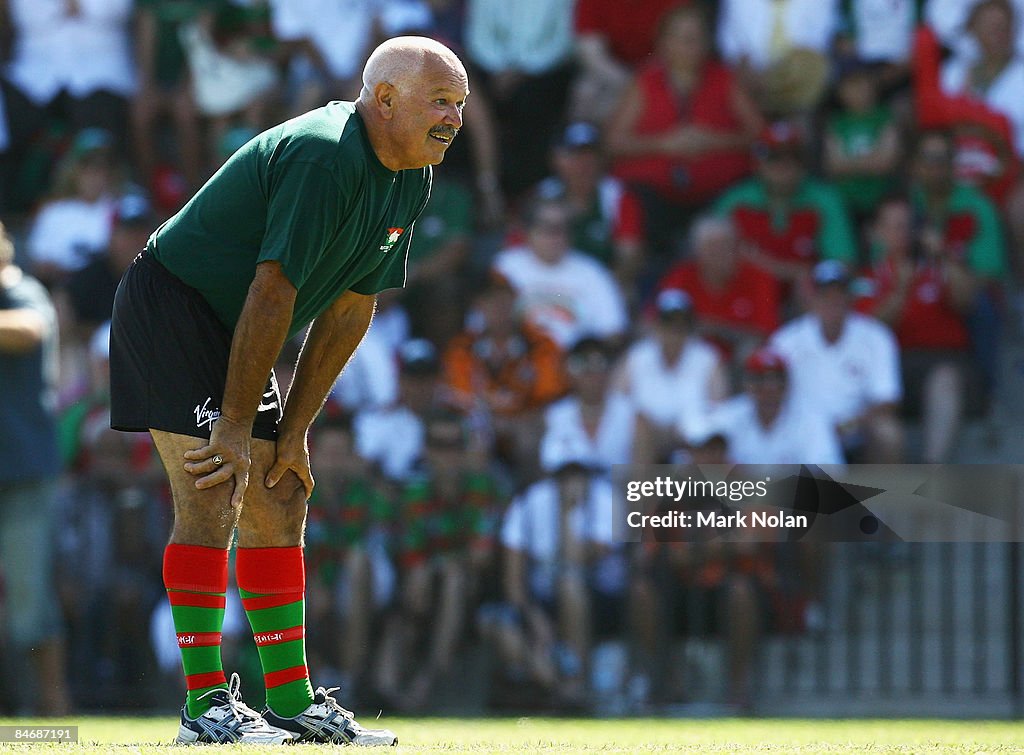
(226, 457)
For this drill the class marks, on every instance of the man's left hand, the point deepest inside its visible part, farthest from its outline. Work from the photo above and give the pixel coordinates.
(293, 455)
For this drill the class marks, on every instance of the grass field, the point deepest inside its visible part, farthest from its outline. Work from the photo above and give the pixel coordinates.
(121, 736)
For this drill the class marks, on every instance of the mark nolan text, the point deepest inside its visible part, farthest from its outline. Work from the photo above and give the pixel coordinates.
(750, 519)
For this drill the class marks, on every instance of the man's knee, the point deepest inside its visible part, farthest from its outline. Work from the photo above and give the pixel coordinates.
(273, 517)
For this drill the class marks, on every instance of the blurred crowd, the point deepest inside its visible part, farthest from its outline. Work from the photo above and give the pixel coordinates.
(745, 231)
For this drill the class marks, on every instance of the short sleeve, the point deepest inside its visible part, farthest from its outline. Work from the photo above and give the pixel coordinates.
(513, 533)
(305, 208)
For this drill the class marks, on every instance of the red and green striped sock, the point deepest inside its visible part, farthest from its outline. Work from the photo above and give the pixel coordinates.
(196, 578)
(272, 583)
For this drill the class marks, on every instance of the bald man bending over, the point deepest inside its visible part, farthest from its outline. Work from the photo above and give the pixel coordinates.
(303, 226)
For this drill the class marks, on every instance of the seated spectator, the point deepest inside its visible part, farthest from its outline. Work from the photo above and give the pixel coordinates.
(966, 224)
(594, 422)
(391, 437)
(70, 61)
(553, 536)
(508, 369)
(736, 303)
(845, 366)
(612, 40)
(788, 219)
(672, 377)
(682, 131)
(771, 422)
(607, 219)
(862, 140)
(523, 56)
(447, 535)
(75, 222)
(780, 48)
(563, 292)
(924, 295)
(90, 290)
(348, 536)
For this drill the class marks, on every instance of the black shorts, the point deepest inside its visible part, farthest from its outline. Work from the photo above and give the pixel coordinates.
(169, 358)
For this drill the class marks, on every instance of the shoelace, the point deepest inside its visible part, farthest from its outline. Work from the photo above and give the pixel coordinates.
(238, 709)
(330, 701)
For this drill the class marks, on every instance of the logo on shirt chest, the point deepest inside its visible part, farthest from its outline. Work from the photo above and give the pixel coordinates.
(392, 239)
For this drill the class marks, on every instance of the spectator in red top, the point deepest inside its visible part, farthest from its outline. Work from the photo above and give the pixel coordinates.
(924, 294)
(607, 219)
(612, 38)
(682, 130)
(736, 302)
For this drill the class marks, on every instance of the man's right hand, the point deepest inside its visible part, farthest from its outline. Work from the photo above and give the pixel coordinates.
(229, 444)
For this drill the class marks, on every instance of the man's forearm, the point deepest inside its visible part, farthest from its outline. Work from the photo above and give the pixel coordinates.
(332, 340)
(259, 335)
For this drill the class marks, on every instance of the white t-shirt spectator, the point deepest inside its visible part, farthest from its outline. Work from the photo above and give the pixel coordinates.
(82, 53)
(568, 300)
(842, 379)
(799, 435)
(529, 36)
(391, 438)
(342, 30)
(370, 379)
(745, 28)
(531, 525)
(67, 232)
(676, 394)
(565, 438)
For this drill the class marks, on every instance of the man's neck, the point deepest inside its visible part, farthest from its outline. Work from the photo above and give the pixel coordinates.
(378, 142)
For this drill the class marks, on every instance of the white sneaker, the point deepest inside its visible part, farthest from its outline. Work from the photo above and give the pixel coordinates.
(229, 720)
(326, 722)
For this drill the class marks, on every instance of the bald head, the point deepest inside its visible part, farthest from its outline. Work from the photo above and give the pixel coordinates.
(414, 89)
(400, 60)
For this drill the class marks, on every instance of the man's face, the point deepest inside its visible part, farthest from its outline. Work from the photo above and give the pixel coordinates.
(832, 304)
(428, 112)
(993, 28)
(717, 253)
(549, 234)
(580, 166)
(767, 389)
(893, 229)
(589, 372)
(782, 170)
(933, 164)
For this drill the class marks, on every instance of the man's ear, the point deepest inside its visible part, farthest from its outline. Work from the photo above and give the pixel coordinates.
(383, 98)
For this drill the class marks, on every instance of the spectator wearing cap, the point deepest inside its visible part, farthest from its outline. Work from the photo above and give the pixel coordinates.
(770, 423)
(90, 290)
(846, 367)
(672, 377)
(863, 148)
(788, 219)
(613, 39)
(506, 367)
(392, 437)
(594, 423)
(736, 303)
(607, 218)
(70, 61)
(446, 543)
(562, 291)
(554, 537)
(681, 132)
(780, 48)
(74, 222)
(925, 297)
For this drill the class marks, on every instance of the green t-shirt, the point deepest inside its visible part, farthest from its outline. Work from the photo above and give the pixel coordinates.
(857, 135)
(971, 225)
(310, 194)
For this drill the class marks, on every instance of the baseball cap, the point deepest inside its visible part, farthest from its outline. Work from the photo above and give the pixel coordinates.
(781, 136)
(134, 210)
(580, 135)
(830, 272)
(418, 357)
(673, 301)
(765, 360)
